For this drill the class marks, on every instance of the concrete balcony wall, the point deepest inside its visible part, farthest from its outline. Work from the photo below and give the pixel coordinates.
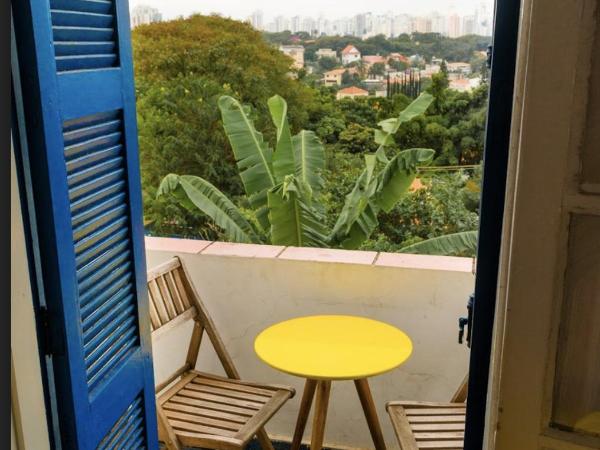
(249, 287)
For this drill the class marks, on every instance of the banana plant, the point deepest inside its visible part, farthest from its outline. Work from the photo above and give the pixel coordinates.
(284, 185)
(455, 244)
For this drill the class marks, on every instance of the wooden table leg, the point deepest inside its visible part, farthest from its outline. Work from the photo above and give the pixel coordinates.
(366, 400)
(305, 404)
(321, 403)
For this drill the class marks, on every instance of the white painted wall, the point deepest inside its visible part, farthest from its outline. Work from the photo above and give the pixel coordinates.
(28, 411)
(244, 295)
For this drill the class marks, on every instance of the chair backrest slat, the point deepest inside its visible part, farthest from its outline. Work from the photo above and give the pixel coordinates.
(173, 300)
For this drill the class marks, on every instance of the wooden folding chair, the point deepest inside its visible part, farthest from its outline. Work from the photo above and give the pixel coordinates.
(199, 409)
(430, 425)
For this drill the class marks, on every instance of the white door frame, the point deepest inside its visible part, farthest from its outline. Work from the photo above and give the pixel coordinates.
(549, 120)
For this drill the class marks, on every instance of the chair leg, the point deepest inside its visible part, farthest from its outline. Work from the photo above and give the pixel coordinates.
(321, 404)
(305, 404)
(165, 432)
(264, 440)
(366, 400)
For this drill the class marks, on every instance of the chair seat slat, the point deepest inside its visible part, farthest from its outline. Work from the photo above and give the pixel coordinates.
(228, 393)
(202, 420)
(442, 445)
(239, 419)
(434, 411)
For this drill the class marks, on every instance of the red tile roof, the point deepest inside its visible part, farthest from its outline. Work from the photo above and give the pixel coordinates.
(373, 59)
(353, 90)
(350, 49)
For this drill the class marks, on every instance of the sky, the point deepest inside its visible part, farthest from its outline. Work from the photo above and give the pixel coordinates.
(241, 9)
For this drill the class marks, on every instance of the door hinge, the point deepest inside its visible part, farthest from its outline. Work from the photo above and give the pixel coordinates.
(488, 62)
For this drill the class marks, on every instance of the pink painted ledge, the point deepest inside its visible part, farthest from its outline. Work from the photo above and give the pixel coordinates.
(328, 255)
(244, 250)
(426, 262)
(325, 255)
(162, 244)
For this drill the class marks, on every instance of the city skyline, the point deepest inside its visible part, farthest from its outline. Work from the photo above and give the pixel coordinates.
(171, 9)
(363, 25)
(367, 24)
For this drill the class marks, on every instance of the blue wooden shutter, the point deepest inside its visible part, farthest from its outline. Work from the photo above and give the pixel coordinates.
(78, 95)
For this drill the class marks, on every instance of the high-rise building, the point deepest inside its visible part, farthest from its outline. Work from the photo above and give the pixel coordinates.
(142, 15)
(454, 26)
(281, 24)
(468, 25)
(296, 24)
(308, 25)
(483, 20)
(439, 23)
(401, 25)
(257, 19)
(421, 25)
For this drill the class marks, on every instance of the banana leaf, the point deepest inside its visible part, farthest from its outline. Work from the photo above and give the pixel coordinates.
(196, 192)
(456, 244)
(398, 174)
(252, 153)
(310, 160)
(283, 158)
(294, 221)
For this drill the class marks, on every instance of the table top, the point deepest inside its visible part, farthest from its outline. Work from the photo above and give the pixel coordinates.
(333, 347)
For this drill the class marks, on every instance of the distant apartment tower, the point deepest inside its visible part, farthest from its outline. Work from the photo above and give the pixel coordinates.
(421, 25)
(483, 21)
(257, 19)
(296, 24)
(438, 23)
(281, 24)
(142, 15)
(401, 25)
(360, 25)
(454, 26)
(468, 25)
(296, 52)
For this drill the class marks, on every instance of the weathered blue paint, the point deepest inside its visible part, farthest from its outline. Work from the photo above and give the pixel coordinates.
(82, 136)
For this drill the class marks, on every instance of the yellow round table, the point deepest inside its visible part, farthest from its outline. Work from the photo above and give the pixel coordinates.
(323, 349)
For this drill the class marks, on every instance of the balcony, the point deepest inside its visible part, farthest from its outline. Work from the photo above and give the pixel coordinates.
(249, 287)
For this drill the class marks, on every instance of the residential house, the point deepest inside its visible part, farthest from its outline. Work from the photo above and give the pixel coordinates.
(461, 68)
(334, 77)
(326, 53)
(350, 54)
(464, 84)
(370, 60)
(399, 57)
(296, 52)
(352, 92)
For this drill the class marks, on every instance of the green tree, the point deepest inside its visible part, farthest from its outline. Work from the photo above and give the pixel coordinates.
(327, 63)
(357, 138)
(182, 67)
(397, 65)
(377, 69)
